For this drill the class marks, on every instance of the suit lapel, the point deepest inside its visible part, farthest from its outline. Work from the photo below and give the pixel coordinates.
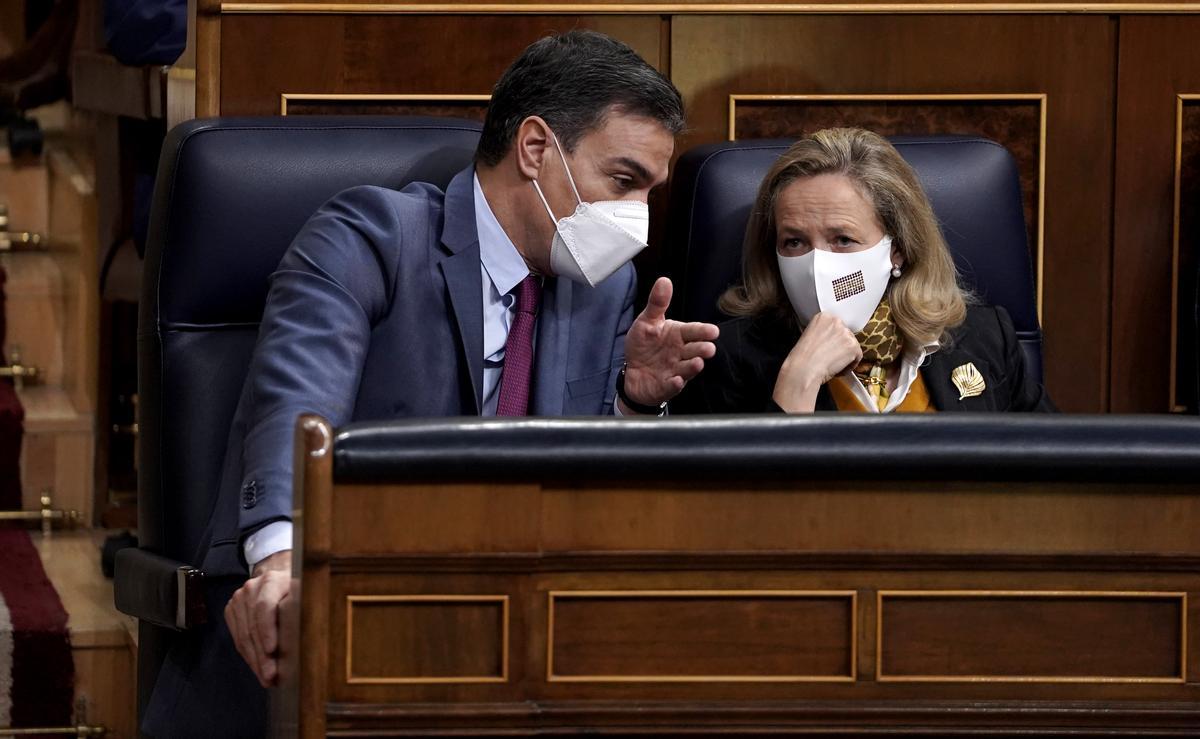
(461, 270)
(550, 355)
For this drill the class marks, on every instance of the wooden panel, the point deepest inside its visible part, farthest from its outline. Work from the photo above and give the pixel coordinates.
(1159, 60)
(370, 54)
(459, 518)
(918, 517)
(1186, 259)
(426, 639)
(701, 636)
(1079, 637)
(714, 57)
(1016, 123)
(926, 517)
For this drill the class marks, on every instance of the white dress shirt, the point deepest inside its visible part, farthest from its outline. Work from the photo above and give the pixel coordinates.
(501, 269)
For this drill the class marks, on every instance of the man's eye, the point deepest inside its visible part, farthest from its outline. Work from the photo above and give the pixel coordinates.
(623, 183)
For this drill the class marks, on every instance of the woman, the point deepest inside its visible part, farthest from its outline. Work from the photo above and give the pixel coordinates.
(850, 299)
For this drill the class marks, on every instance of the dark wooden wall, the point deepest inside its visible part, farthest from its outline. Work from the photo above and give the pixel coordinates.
(1094, 105)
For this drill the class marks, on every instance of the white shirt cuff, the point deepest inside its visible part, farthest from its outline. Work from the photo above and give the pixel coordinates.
(272, 538)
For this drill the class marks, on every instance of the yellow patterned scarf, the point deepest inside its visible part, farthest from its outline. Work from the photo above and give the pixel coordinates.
(882, 344)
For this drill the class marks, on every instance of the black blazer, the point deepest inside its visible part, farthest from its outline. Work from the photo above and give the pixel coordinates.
(750, 351)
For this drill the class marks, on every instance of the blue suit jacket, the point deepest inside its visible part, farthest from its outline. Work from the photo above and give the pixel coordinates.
(375, 312)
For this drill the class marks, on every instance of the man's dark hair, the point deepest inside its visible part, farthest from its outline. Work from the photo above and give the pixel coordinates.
(573, 80)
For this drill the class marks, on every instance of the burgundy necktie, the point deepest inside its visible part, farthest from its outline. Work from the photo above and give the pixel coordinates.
(518, 351)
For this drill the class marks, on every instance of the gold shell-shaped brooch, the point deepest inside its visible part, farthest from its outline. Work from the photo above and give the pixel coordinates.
(968, 381)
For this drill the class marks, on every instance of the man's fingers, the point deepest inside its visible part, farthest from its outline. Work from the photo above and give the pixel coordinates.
(237, 616)
(702, 349)
(697, 331)
(659, 300)
(238, 630)
(266, 611)
(686, 370)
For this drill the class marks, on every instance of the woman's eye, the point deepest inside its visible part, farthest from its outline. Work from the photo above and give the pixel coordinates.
(792, 243)
(844, 242)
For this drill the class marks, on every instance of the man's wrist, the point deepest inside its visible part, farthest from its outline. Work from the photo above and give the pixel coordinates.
(632, 404)
(280, 561)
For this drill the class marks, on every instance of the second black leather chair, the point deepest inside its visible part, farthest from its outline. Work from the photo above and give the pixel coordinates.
(973, 184)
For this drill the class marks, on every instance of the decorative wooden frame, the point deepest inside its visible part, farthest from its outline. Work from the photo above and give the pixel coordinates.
(1040, 98)
(851, 595)
(351, 600)
(880, 676)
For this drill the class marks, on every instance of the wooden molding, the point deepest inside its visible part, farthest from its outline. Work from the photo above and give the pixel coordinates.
(352, 600)
(882, 595)
(557, 595)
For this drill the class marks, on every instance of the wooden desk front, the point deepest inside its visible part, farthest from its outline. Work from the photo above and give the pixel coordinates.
(621, 606)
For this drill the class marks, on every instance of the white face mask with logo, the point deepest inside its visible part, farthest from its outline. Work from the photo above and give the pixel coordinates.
(848, 285)
(598, 238)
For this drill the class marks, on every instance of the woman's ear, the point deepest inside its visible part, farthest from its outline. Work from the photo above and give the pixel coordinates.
(897, 257)
(531, 146)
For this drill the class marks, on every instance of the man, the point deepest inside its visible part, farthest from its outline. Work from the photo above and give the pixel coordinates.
(509, 294)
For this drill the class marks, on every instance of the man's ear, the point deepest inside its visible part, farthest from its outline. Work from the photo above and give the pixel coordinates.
(532, 146)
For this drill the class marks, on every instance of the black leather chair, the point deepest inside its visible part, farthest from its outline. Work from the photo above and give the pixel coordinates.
(972, 183)
(230, 195)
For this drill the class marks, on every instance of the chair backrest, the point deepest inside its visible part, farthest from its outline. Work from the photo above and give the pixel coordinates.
(972, 183)
(230, 195)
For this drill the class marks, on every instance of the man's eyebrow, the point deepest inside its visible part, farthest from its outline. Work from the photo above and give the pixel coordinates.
(636, 166)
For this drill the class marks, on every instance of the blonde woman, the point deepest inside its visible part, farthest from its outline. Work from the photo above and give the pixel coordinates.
(850, 300)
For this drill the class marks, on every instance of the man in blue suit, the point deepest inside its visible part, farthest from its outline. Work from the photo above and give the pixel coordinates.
(509, 294)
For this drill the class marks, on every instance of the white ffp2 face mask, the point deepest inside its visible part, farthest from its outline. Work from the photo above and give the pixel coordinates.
(594, 241)
(848, 285)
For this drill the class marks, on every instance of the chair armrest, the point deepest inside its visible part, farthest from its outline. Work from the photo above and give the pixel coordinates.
(159, 590)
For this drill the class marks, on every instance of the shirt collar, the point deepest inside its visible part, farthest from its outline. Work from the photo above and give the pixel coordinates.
(917, 356)
(501, 260)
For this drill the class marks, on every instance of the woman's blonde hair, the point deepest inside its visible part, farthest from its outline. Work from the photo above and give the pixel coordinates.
(926, 300)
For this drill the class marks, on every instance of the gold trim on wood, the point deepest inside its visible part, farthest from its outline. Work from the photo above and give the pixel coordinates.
(443, 8)
(1082, 594)
(1180, 101)
(852, 595)
(1040, 98)
(352, 599)
(289, 97)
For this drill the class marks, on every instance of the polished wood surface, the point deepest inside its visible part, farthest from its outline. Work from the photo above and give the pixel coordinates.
(341, 54)
(800, 607)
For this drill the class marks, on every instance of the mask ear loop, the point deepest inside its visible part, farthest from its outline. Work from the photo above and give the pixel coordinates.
(570, 179)
(566, 167)
(546, 204)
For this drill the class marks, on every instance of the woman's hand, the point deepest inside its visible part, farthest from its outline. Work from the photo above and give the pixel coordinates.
(825, 350)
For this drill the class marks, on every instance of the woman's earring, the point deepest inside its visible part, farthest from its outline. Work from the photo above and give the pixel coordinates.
(895, 270)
